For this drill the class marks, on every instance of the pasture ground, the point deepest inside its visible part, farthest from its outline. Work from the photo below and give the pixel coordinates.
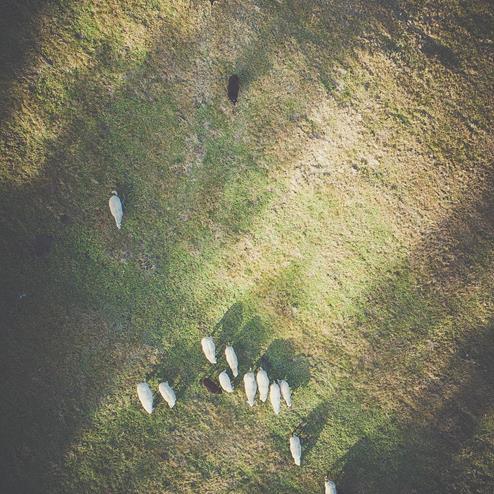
(336, 226)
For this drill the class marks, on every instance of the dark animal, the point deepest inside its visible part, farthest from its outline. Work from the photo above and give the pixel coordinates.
(211, 386)
(233, 87)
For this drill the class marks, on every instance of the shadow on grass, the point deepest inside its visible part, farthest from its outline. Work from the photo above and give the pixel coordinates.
(443, 447)
(440, 441)
(19, 45)
(429, 367)
(312, 426)
(185, 363)
(86, 161)
(282, 362)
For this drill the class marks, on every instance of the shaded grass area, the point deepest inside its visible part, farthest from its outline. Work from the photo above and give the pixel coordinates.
(442, 443)
(327, 227)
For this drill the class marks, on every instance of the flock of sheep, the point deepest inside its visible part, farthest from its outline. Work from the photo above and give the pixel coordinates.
(252, 383)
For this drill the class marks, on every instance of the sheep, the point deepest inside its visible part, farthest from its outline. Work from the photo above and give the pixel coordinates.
(225, 382)
(233, 87)
(263, 384)
(145, 396)
(274, 397)
(285, 392)
(211, 386)
(295, 449)
(167, 393)
(250, 388)
(116, 208)
(329, 487)
(209, 349)
(232, 360)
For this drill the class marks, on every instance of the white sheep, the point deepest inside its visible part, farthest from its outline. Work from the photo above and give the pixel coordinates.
(285, 392)
(232, 360)
(145, 396)
(168, 394)
(329, 487)
(295, 449)
(263, 384)
(116, 208)
(250, 388)
(209, 349)
(274, 397)
(225, 382)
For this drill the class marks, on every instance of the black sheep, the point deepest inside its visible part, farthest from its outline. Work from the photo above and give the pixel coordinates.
(233, 87)
(211, 386)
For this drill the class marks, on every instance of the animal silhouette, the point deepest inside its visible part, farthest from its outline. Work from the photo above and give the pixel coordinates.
(233, 88)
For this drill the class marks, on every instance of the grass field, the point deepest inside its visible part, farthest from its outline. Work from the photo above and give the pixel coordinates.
(336, 226)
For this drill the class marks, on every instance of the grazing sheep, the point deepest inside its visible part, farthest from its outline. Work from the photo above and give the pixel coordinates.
(145, 396)
(209, 349)
(274, 397)
(285, 392)
(250, 388)
(295, 449)
(211, 386)
(232, 360)
(168, 394)
(263, 384)
(116, 208)
(329, 487)
(225, 382)
(233, 87)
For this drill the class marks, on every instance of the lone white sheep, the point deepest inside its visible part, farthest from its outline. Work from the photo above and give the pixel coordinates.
(263, 384)
(145, 396)
(295, 449)
(116, 208)
(168, 394)
(209, 349)
(329, 487)
(250, 388)
(274, 397)
(225, 382)
(232, 360)
(285, 392)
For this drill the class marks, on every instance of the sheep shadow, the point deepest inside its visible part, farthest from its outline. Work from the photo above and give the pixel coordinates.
(310, 429)
(281, 361)
(126, 191)
(230, 325)
(172, 369)
(247, 335)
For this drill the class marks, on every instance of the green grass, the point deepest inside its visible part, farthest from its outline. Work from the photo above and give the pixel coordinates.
(335, 227)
